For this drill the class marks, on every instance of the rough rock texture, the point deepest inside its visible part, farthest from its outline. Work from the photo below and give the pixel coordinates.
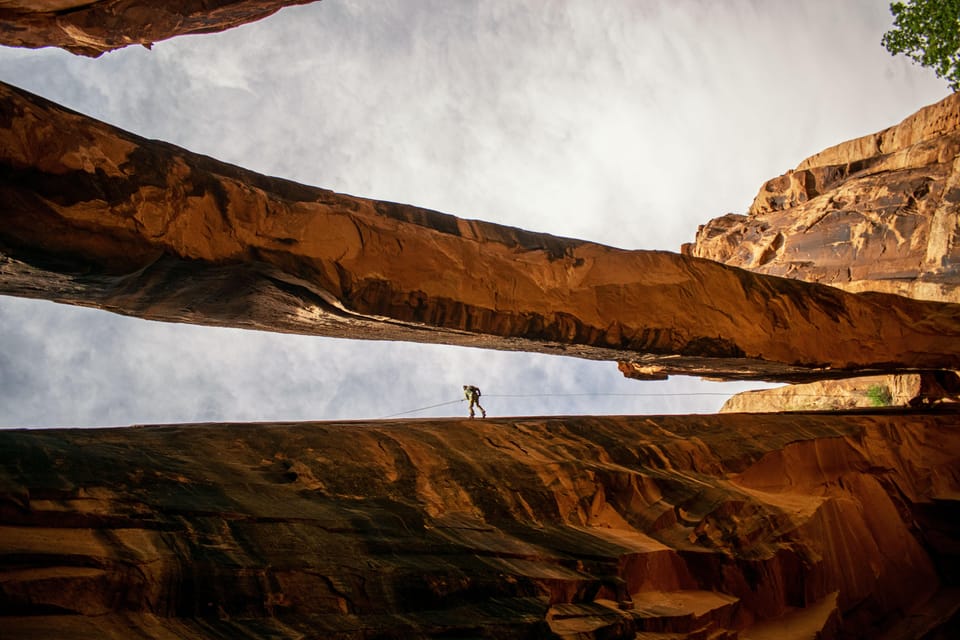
(93, 27)
(879, 213)
(906, 390)
(96, 216)
(724, 527)
(728, 526)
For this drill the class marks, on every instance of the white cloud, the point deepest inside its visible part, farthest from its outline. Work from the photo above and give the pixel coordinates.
(624, 123)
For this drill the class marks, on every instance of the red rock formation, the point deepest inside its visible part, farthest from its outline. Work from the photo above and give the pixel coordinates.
(97, 216)
(879, 213)
(93, 27)
(907, 390)
(702, 526)
(706, 527)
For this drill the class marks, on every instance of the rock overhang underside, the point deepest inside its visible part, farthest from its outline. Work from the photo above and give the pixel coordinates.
(100, 217)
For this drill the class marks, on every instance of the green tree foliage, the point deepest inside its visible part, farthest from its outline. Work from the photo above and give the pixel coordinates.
(928, 32)
(880, 395)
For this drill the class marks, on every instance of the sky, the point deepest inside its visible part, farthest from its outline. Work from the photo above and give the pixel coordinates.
(627, 123)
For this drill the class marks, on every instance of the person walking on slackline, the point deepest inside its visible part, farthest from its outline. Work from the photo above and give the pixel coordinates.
(472, 394)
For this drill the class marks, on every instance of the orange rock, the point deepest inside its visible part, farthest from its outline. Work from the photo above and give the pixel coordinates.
(731, 526)
(878, 213)
(699, 526)
(93, 27)
(915, 389)
(101, 217)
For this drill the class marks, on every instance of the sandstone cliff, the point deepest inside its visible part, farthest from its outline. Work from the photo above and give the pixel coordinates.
(710, 527)
(878, 213)
(895, 390)
(97, 216)
(732, 526)
(93, 27)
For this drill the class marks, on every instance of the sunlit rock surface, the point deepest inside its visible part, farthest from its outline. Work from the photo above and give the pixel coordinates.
(896, 390)
(736, 526)
(93, 27)
(878, 213)
(725, 526)
(100, 217)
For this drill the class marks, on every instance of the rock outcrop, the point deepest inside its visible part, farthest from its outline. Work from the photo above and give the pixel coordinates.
(725, 526)
(906, 390)
(735, 526)
(97, 216)
(93, 27)
(878, 213)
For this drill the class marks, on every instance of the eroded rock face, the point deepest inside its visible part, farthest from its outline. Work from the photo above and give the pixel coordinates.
(879, 213)
(733, 526)
(604, 526)
(93, 27)
(100, 217)
(898, 390)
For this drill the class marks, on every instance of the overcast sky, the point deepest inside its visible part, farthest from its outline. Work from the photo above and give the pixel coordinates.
(622, 122)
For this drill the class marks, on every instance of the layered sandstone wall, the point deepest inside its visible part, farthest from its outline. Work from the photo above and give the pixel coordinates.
(93, 27)
(891, 390)
(603, 527)
(97, 216)
(878, 213)
(731, 526)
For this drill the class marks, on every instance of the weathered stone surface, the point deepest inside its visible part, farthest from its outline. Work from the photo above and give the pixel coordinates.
(93, 27)
(96, 216)
(878, 213)
(898, 390)
(732, 526)
(537, 527)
